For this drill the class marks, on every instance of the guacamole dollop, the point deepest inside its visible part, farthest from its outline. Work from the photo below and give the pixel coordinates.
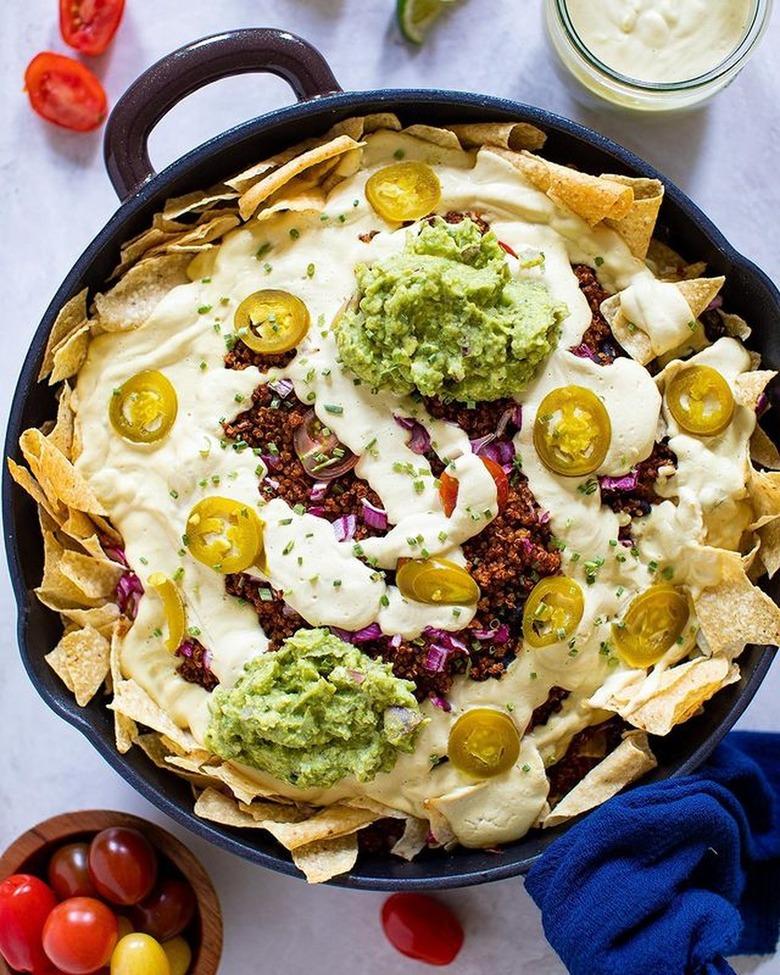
(447, 317)
(315, 711)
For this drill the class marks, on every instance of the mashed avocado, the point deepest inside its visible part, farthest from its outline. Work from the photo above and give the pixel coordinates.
(313, 712)
(447, 317)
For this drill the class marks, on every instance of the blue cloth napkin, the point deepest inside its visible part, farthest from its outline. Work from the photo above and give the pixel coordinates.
(669, 878)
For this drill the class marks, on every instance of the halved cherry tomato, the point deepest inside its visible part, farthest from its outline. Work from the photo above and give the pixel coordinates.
(224, 534)
(423, 928)
(89, 25)
(404, 191)
(167, 911)
(138, 954)
(25, 903)
(144, 408)
(69, 871)
(654, 620)
(700, 400)
(271, 321)
(448, 486)
(79, 935)
(319, 450)
(483, 742)
(552, 611)
(65, 92)
(122, 864)
(173, 605)
(436, 581)
(572, 431)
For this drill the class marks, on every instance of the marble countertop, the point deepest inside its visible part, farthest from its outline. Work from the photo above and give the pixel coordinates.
(56, 196)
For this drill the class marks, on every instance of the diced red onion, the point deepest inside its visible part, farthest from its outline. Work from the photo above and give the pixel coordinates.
(436, 658)
(318, 490)
(512, 415)
(395, 641)
(477, 446)
(116, 554)
(584, 352)
(762, 404)
(498, 634)
(443, 637)
(317, 510)
(356, 676)
(501, 452)
(356, 637)
(543, 517)
(282, 387)
(344, 528)
(626, 482)
(440, 702)
(273, 484)
(272, 461)
(374, 517)
(128, 593)
(420, 440)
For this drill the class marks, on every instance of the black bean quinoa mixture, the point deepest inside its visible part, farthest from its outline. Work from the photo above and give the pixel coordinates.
(597, 340)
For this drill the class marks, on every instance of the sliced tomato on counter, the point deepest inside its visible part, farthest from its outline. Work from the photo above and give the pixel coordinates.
(65, 92)
(89, 25)
(448, 486)
(25, 904)
(422, 928)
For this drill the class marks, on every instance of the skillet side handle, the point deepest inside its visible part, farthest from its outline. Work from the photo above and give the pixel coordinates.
(164, 84)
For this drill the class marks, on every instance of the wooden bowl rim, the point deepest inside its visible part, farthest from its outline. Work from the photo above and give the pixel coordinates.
(58, 828)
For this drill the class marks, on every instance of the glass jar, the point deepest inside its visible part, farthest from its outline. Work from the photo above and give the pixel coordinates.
(599, 79)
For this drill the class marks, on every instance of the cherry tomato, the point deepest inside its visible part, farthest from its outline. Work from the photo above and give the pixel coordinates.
(700, 400)
(89, 25)
(69, 871)
(552, 611)
(144, 408)
(404, 191)
(179, 955)
(79, 935)
(167, 911)
(125, 926)
(319, 450)
(25, 903)
(483, 742)
(173, 605)
(224, 534)
(572, 431)
(421, 927)
(65, 92)
(138, 954)
(436, 581)
(654, 620)
(271, 321)
(448, 486)
(122, 864)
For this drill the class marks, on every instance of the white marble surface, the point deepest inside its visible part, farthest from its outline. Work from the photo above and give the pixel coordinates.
(55, 196)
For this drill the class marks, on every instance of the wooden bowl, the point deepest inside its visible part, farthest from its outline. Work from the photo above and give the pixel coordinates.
(31, 851)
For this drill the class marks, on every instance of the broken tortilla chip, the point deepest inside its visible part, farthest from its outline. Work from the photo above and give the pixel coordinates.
(763, 450)
(506, 135)
(735, 612)
(70, 354)
(132, 701)
(637, 226)
(321, 861)
(133, 299)
(59, 479)
(70, 318)
(86, 654)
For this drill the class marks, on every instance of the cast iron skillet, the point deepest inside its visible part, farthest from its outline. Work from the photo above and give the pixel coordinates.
(320, 104)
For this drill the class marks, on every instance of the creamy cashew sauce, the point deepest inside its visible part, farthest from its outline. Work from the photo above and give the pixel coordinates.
(661, 40)
(149, 490)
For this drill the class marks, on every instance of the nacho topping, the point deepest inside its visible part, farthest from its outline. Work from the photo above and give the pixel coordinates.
(271, 321)
(143, 409)
(404, 191)
(700, 400)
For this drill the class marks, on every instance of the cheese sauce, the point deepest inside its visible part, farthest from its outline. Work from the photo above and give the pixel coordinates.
(150, 490)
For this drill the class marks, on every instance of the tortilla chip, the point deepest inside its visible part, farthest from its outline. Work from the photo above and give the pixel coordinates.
(748, 386)
(324, 860)
(680, 694)
(204, 234)
(628, 762)
(57, 476)
(443, 138)
(70, 355)
(61, 434)
(381, 120)
(219, 808)
(331, 822)
(764, 491)
(133, 299)
(125, 729)
(96, 578)
(269, 184)
(132, 701)
(243, 786)
(506, 135)
(294, 197)
(413, 840)
(735, 612)
(57, 590)
(71, 317)
(58, 662)
(699, 292)
(87, 659)
(100, 618)
(763, 450)
(27, 482)
(637, 226)
(178, 206)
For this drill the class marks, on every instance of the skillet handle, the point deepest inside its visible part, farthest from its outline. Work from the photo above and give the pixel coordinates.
(160, 87)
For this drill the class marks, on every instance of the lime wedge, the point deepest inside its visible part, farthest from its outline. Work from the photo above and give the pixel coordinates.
(416, 16)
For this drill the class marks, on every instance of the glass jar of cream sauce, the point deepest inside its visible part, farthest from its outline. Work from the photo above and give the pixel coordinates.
(655, 55)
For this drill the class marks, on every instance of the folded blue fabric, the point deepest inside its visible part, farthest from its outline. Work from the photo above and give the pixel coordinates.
(669, 878)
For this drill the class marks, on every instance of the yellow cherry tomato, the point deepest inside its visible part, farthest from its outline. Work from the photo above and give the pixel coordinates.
(552, 611)
(179, 955)
(173, 605)
(144, 407)
(654, 620)
(404, 191)
(224, 534)
(139, 954)
(271, 321)
(436, 581)
(700, 400)
(572, 431)
(483, 742)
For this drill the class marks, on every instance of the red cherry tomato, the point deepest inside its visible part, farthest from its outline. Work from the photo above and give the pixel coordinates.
(448, 486)
(25, 903)
(65, 92)
(422, 928)
(167, 911)
(122, 865)
(79, 935)
(69, 871)
(89, 25)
